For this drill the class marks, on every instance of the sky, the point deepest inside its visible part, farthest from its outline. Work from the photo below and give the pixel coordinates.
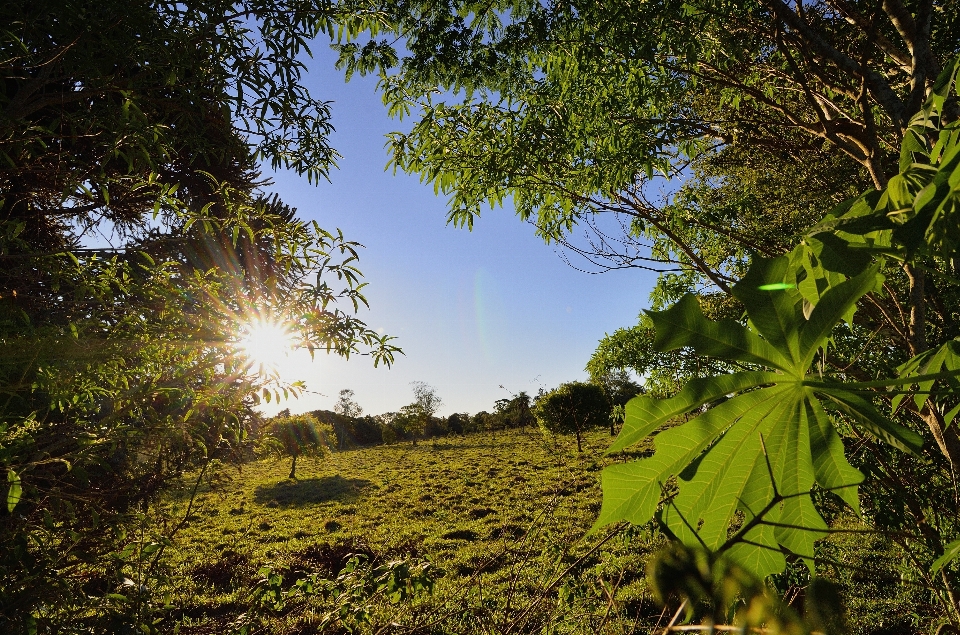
(480, 314)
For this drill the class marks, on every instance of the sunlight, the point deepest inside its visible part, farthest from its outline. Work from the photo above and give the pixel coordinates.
(267, 345)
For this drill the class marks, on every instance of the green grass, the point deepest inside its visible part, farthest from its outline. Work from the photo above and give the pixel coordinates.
(500, 518)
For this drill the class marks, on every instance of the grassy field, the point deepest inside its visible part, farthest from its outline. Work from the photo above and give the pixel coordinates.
(459, 535)
(500, 523)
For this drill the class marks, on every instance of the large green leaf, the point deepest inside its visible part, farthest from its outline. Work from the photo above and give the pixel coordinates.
(645, 414)
(684, 325)
(760, 440)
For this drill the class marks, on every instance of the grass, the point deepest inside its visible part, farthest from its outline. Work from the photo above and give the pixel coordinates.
(501, 520)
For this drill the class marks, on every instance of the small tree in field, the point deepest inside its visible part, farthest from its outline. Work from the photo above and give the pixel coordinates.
(426, 404)
(298, 435)
(572, 408)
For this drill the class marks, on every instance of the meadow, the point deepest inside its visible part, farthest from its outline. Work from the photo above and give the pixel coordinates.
(483, 533)
(497, 524)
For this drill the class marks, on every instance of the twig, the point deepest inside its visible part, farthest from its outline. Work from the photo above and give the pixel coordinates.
(676, 616)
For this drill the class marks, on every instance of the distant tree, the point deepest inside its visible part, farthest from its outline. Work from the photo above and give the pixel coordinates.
(299, 435)
(515, 412)
(458, 422)
(572, 408)
(389, 430)
(619, 388)
(425, 405)
(436, 427)
(347, 410)
(366, 430)
(483, 421)
(476, 422)
(346, 406)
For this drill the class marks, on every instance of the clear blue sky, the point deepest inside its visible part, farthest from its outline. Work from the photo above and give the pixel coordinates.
(471, 310)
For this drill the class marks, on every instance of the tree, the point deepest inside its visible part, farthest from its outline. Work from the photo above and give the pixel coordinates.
(483, 421)
(418, 414)
(300, 435)
(458, 423)
(572, 408)
(346, 406)
(618, 388)
(120, 367)
(515, 412)
(347, 410)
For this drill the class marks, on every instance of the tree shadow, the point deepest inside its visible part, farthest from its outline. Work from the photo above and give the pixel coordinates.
(310, 491)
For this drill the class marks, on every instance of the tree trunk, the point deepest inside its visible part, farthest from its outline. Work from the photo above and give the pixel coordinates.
(947, 439)
(293, 468)
(579, 447)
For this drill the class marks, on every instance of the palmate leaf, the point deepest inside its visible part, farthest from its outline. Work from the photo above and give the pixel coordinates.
(916, 213)
(762, 438)
(944, 360)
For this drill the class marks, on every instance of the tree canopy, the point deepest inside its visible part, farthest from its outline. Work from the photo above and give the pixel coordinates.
(136, 244)
(789, 169)
(572, 408)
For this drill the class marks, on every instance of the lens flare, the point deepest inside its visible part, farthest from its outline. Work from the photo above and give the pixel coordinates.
(267, 345)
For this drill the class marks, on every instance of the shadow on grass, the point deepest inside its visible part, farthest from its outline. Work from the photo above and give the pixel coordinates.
(311, 490)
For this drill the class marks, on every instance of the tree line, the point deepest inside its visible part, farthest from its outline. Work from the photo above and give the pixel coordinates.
(571, 408)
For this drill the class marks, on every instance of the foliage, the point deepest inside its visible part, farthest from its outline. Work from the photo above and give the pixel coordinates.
(572, 408)
(353, 594)
(760, 452)
(346, 406)
(738, 477)
(136, 245)
(515, 412)
(414, 419)
(568, 112)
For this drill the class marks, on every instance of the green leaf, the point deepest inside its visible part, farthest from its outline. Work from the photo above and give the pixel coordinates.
(631, 491)
(865, 415)
(950, 553)
(835, 303)
(14, 490)
(684, 325)
(777, 314)
(765, 440)
(833, 472)
(645, 414)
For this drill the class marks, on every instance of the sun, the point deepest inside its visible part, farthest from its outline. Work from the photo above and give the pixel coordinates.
(267, 345)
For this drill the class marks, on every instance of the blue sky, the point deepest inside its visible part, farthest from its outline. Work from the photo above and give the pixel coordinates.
(471, 310)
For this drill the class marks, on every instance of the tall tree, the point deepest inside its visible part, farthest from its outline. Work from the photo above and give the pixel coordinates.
(426, 404)
(136, 244)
